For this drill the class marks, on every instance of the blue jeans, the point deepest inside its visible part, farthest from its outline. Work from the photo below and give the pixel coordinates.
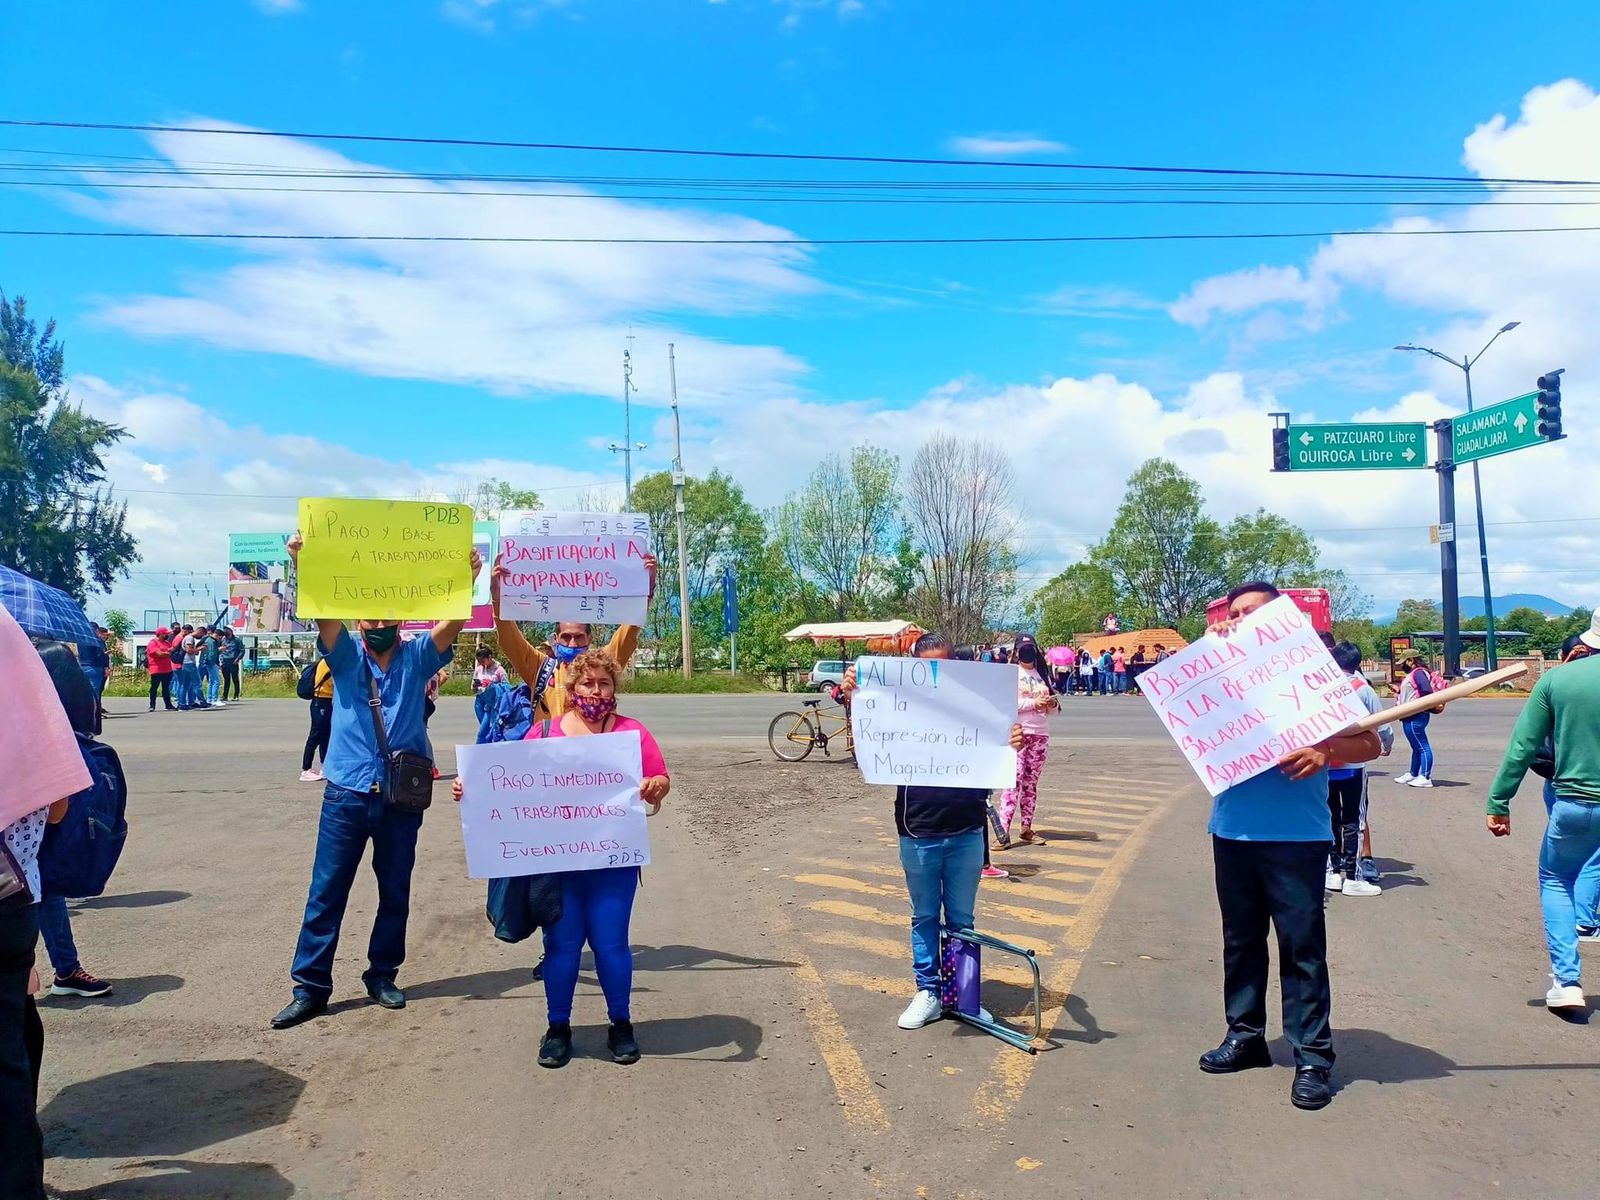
(1570, 854)
(349, 820)
(55, 927)
(1421, 753)
(1586, 892)
(596, 907)
(188, 685)
(941, 873)
(213, 683)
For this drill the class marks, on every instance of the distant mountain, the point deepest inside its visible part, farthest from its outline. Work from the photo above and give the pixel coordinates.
(1472, 606)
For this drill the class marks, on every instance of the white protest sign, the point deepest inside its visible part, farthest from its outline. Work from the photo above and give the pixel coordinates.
(1235, 705)
(574, 566)
(935, 722)
(553, 804)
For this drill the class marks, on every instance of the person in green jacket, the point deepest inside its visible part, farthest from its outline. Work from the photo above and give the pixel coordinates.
(1565, 708)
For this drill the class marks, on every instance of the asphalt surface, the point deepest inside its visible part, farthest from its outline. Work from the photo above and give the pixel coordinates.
(770, 939)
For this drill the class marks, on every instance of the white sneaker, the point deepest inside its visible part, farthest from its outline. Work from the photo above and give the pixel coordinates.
(1420, 781)
(1564, 996)
(1360, 887)
(310, 776)
(1589, 933)
(925, 1006)
(1406, 778)
(1332, 881)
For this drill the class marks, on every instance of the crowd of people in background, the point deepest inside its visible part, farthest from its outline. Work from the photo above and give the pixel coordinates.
(194, 667)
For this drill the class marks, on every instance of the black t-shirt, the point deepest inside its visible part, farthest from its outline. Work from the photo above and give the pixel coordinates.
(929, 812)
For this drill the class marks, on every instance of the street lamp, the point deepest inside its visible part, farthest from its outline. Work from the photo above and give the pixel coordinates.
(1465, 366)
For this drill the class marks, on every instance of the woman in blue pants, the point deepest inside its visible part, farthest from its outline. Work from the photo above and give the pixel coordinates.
(1418, 682)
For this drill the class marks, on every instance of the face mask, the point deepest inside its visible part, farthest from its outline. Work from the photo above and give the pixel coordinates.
(595, 708)
(565, 654)
(381, 640)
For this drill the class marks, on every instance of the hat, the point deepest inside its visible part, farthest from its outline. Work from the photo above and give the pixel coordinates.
(1591, 639)
(162, 632)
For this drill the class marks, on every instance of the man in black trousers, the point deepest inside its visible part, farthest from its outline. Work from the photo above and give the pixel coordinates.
(1270, 839)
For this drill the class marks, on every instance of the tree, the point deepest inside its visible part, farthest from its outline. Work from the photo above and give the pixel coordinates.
(839, 530)
(1346, 599)
(1164, 554)
(121, 626)
(1416, 615)
(491, 497)
(1264, 546)
(60, 524)
(1075, 601)
(959, 494)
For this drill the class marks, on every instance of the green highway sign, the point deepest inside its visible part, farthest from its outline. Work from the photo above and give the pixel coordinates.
(1384, 446)
(1499, 429)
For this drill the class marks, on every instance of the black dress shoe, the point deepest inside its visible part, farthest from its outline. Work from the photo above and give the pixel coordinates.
(1234, 1056)
(1311, 1089)
(624, 1047)
(538, 968)
(386, 994)
(300, 1010)
(556, 1048)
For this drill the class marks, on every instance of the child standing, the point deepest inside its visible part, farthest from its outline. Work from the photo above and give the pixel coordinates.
(1035, 702)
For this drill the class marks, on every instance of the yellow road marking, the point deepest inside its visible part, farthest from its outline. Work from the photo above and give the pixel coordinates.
(900, 951)
(860, 912)
(998, 1096)
(867, 868)
(1121, 822)
(1028, 916)
(893, 985)
(850, 1080)
(1092, 801)
(845, 884)
(1039, 891)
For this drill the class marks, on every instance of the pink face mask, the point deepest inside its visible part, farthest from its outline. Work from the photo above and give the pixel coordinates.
(596, 708)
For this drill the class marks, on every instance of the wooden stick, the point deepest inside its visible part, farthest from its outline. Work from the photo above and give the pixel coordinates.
(1422, 704)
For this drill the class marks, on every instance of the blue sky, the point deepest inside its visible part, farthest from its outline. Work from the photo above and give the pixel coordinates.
(252, 373)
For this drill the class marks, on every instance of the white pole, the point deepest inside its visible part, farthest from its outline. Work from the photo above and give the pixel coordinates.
(677, 503)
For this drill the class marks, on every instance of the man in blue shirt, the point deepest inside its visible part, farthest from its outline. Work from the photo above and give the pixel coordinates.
(354, 809)
(1270, 837)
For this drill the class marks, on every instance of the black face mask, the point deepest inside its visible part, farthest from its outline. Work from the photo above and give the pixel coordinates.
(381, 640)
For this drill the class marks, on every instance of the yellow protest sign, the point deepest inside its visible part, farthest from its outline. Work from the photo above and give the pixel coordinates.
(385, 559)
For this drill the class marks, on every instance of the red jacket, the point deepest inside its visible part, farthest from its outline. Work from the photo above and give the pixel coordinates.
(158, 657)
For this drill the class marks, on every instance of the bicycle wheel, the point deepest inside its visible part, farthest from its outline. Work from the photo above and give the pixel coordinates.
(791, 736)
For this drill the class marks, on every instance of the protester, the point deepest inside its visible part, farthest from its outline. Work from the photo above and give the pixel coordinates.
(158, 658)
(1035, 702)
(596, 906)
(544, 668)
(180, 680)
(1269, 839)
(1347, 789)
(321, 724)
(1136, 666)
(1086, 672)
(941, 851)
(487, 672)
(1107, 669)
(210, 668)
(75, 693)
(356, 805)
(1418, 681)
(1119, 672)
(229, 655)
(1565, 708)
(43, 767)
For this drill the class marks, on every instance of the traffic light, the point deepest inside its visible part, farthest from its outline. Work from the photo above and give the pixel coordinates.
(1549, 406)
(1280, 449)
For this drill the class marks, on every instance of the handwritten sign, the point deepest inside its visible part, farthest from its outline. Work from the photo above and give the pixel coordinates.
(935, 723)
(553, 804)
(1238, 704)
(574, 566)
(385, 559)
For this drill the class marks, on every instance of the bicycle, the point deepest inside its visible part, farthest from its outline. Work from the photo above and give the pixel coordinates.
(794, 735)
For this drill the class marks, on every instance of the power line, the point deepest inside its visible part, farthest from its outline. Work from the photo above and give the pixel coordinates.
(763, 155)
(997, 240)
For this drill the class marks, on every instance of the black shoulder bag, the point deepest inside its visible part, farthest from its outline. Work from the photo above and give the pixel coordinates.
(408, 777)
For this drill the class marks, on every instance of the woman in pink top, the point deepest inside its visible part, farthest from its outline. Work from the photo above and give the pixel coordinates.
(1036, 700)
(595, 905)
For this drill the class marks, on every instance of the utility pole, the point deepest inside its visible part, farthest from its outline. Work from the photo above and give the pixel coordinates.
(677, 504)
(628, 445)
(1444, 463)
(1491, 657)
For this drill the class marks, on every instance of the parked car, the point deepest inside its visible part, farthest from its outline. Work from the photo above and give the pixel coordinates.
(825, 671)
(272, 662)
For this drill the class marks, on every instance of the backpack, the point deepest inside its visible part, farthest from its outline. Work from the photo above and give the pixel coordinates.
(79, 854)
(177, 653)
(306, 687)
(1438, 681)
(508, 713)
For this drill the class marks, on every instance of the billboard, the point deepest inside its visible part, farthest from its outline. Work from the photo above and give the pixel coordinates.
(261, 585)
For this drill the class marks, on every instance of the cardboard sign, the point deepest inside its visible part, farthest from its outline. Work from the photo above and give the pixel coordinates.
(574, 566)
(935, 723)
(385, 559)
(1235, 705)
(553, 804)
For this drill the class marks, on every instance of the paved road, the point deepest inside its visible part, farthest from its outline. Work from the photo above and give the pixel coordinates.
(772, 964)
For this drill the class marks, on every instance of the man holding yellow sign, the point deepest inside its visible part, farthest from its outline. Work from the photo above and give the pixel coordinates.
(379, 762)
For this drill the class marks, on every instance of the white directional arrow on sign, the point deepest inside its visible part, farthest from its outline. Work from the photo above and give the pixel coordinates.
(1409, 454)
(1306, 439)
(1521, 422)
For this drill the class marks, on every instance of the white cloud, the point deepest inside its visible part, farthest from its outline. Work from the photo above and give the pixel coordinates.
(1003, 145)
(512, 318)
(155, 471)
(1094, 300)
(277, 8)
(1242, 291)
